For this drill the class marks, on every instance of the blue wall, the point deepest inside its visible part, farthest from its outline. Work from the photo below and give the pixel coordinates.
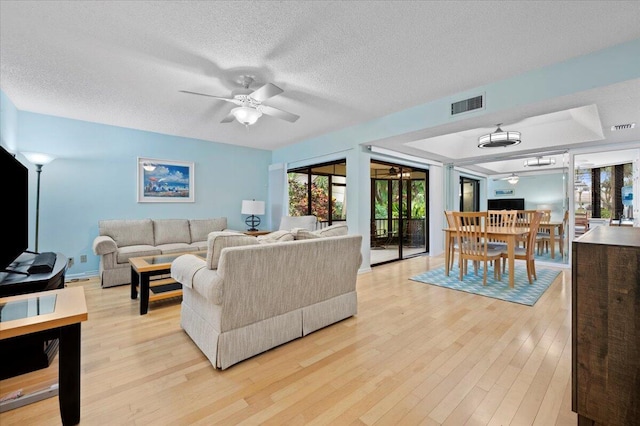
(543, 189)
(94, 177)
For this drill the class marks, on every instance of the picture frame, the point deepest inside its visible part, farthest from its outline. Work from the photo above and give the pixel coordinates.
(165, 181)
(505, 192)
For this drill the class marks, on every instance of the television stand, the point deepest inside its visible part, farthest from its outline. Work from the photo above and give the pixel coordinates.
(37, 350)
(11, 271)
(18, 280)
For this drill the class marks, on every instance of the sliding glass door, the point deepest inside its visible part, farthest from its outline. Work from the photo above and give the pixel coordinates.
(398, 212)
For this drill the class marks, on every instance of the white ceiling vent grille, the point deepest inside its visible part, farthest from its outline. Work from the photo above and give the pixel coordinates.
(623, 126)
(467, 105)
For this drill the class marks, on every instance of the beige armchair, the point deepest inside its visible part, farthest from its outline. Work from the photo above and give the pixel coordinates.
(287, 223)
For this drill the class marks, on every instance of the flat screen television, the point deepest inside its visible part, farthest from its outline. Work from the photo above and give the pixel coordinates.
(506, 204)
(15, 180)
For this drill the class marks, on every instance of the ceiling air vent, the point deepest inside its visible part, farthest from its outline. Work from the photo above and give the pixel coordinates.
(623, 126)
(467, 105)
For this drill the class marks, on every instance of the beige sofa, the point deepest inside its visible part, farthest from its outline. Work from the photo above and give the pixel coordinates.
(119, 240)
(248, 297)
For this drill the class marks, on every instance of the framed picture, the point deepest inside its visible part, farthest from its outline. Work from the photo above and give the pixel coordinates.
(165, 181)
(505, 192)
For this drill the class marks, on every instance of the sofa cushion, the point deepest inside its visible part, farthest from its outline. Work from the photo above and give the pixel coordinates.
(275, 237)
(201, 228)
(167, 231)
(199, 245)
(176, 248)
(127, 252)
(329, 231)
(128, 232)
(220, 240)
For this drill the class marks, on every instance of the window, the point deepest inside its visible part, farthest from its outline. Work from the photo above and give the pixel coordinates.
(598, 191)
(319, 190)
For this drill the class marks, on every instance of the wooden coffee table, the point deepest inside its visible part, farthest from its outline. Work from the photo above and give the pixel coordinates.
(145, 275)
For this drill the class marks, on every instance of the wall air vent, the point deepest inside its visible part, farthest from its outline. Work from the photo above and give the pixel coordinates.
(623, 126)
(467, 105)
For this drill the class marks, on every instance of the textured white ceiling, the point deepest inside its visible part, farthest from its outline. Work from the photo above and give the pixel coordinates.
(340, 63)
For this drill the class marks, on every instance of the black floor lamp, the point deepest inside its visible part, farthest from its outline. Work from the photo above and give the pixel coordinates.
(39, 159)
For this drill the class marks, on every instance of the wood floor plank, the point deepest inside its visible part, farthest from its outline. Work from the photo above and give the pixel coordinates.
(415, 354)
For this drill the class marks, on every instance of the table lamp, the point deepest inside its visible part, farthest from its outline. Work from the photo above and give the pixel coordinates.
(253, 208)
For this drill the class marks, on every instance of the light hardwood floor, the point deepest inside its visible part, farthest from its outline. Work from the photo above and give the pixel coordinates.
(414, 354)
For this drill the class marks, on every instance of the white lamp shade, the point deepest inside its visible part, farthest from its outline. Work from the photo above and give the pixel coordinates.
(252, 207)
(38, 157)
(246, 115)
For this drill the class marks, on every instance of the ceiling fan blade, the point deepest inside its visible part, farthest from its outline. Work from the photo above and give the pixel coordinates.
(265, 92)
(278, 113)
(234, 101)
(229, 118)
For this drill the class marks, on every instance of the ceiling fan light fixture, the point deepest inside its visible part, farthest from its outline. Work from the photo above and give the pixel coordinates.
(246, 115)
(499, 139)
(513, 179)
(539, 162)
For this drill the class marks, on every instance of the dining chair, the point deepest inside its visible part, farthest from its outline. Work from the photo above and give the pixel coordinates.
(501, 218)
(581, 223)
(543, 239)
(471, 230)
(527, 253)
(453, 237)
(523, 220)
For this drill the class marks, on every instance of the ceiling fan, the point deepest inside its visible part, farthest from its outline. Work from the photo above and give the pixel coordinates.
(512, 178)
(249, 104)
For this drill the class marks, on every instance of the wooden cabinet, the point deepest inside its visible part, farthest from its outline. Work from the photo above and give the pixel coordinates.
(606, 326)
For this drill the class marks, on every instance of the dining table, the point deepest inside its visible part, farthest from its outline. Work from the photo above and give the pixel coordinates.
(508, 234)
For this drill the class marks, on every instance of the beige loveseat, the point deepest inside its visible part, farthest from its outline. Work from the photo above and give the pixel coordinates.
(119, 240)
(248, 297)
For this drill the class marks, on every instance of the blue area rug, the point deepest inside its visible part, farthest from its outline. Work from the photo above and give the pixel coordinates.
(523, 292)
(546, 257)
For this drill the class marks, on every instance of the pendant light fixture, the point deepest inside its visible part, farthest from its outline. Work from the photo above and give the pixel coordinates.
(539, 162)
(499, 139)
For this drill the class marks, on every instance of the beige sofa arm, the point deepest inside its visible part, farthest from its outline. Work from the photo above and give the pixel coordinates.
(104, 245)
(191, 271)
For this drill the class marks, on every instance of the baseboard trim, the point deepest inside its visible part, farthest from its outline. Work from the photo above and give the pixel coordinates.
(81, 276)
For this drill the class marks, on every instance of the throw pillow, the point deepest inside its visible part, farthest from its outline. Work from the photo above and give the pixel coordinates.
(329, 231)
(304, 234)
(333, 230)
(275, 237)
